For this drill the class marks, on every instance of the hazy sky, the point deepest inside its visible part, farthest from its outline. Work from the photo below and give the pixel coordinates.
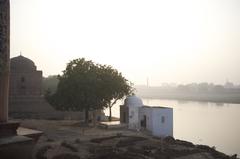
(178, 41)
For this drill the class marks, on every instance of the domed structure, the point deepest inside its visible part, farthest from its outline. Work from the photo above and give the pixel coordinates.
(133, 101)
(23, 64)
(25, 96)
(25, 79)
(157, 120)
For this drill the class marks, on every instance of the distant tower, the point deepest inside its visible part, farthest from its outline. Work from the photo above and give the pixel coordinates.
(147, 82)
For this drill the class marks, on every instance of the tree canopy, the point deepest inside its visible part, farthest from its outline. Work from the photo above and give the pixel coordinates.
(50, 83)
(86, 85)
(115, 86)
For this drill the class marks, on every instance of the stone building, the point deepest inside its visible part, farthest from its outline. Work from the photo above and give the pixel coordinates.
(157, 120)
(26, 98)
(25, 79)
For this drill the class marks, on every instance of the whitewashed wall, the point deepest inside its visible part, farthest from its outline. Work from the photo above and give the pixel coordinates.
(160, 128)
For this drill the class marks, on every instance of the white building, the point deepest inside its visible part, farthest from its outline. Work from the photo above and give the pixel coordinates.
(158, 120)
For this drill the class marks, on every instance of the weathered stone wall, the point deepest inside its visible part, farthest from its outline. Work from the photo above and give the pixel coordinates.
(26, 100)
(25, 79)
(4, 58)
(26, 83)
(36, 107)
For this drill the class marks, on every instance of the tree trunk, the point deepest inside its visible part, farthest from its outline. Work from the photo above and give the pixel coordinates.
(86, 116)
(94, 118)
(110, 114)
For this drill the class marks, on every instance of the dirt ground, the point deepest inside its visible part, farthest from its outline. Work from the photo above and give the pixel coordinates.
(70, 139)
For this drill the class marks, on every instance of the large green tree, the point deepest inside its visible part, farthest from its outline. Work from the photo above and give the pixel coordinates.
(86, 86)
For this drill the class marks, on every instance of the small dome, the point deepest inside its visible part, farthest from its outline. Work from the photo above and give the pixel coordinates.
(22, 63)
(133, 101)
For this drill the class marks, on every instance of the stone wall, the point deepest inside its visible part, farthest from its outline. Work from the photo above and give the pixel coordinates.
(4, 57)
(36, 107)
(26, 83)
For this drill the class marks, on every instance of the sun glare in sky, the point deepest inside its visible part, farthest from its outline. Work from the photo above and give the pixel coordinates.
(179, 41)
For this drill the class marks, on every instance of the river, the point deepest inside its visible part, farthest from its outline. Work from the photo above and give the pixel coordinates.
(213, 124)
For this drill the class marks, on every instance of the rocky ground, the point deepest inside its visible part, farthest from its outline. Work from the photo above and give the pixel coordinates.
(75, 140)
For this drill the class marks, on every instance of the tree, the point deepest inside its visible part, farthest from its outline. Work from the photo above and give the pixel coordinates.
(49, 84)
(115, 87)
(87, 86)
(77, 88)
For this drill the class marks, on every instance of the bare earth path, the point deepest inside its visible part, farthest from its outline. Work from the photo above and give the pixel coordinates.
(73, 140)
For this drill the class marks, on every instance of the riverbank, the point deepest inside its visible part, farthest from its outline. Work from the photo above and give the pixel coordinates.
(74, 140)
(199, 97)
(192, 92)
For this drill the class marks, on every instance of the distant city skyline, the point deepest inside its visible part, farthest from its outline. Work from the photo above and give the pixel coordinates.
(162, 41)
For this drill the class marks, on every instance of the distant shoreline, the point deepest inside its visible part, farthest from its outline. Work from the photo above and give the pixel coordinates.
(213, 98)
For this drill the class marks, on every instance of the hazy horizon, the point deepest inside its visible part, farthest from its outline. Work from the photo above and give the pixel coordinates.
(166, 41)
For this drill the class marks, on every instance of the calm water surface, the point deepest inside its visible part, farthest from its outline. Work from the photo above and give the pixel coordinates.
(211, 124)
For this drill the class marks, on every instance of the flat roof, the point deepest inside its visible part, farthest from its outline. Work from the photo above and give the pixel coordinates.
(147, 106)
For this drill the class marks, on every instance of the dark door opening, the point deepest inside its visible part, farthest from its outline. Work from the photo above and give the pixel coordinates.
(124, 117)
(144, 122)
